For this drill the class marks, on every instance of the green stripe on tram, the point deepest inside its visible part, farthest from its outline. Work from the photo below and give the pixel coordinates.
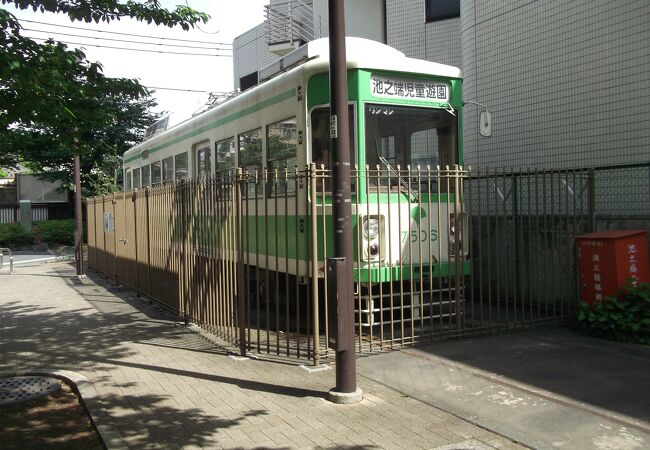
(266, 238)
(217, 123)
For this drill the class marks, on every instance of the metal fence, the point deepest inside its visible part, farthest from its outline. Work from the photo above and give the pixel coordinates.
(439, 252)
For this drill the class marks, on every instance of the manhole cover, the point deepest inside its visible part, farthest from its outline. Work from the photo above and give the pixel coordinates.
(20, 389)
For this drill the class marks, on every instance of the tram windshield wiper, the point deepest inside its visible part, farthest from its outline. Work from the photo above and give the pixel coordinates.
(402, 182)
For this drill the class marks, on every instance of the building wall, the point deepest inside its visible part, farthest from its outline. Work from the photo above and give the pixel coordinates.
(567, 82)
(364, 18)
(407, 31)
(250, 53)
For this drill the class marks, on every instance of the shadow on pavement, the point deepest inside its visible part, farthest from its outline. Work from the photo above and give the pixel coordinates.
(608, 375)
(79, 339)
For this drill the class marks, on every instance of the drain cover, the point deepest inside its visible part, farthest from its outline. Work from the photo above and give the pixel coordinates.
(20, 389)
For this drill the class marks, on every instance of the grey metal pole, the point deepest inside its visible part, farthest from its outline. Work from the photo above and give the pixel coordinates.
(78, 232)
(346, 378)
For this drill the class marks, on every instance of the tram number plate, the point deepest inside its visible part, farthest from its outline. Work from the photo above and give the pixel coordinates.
(422, 235)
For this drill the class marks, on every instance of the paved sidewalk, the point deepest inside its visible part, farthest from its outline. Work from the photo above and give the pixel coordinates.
(546, 388)
(161, 385)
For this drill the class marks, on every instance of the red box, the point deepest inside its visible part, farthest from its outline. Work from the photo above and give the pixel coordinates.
(607, 259)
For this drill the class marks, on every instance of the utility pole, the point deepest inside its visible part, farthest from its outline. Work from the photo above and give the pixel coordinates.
(341, 266)
(78, 231)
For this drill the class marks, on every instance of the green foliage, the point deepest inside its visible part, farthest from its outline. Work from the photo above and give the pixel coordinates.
(12, 236)
(50, 95)
(625, 317)
(49, 232)
(3, 173)
(54, 232)
(106, 10)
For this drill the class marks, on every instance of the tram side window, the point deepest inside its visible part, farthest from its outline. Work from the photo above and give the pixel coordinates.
(136, 178)
(282, 145)
(320, 141)
(203, 168)
(225, 156)
(180, 163)
(127, 176)
(250, 159)
(146, 175)
(156, 173)
(168, 170)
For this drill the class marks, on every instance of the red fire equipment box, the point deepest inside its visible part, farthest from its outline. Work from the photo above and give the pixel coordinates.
(607, 259)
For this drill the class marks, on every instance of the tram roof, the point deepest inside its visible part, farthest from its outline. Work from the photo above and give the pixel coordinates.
(360, 54)
(310, 59)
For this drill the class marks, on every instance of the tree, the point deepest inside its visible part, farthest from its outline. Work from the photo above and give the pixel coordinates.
(49, 94)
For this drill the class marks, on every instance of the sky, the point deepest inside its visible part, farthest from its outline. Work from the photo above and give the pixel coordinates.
(229, 18)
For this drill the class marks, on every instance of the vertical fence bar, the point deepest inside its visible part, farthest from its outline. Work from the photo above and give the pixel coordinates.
(241, 290)
(458, 253)
(314, 260)
(391, 263)
(591, 202)
(401, 255)
(409, 175)
(297, 278)
(322, 178)
(430, 250)
(382, 236)
(370, 301)
(286, 259)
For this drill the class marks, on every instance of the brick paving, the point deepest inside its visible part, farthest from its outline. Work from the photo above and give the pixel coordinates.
(161, 385)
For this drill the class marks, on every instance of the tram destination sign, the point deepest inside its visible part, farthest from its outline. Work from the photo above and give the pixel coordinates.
(388, 87)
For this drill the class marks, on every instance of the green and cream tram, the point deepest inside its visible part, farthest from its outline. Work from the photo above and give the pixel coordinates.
(406, 130)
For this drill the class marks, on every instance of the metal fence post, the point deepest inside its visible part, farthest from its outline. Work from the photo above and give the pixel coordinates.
(458, 248)
(591, 201)
(134, 200)
(314, 260)
(241, 289)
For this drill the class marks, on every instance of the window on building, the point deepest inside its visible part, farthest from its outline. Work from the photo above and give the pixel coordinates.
(146, 175)
(225, 155)
(156, 173)
(127, 177)
(181, 166)
(250, 159)
(441, 9)
(248, 81)
(282, 145)
(168, 169)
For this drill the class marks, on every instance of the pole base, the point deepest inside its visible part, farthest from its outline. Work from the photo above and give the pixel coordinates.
(345, 398)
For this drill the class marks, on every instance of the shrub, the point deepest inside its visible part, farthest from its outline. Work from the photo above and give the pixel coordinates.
(625, 317)
(54, 232)
(13, 236)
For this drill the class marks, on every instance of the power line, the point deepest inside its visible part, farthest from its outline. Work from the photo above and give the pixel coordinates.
(125, 40)
(123, 34)
(185, 90)
(133, 49)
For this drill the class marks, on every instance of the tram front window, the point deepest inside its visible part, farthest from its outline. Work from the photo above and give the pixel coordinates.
(409, 136)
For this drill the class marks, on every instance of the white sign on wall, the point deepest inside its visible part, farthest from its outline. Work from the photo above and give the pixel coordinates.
(109, 225)
(388, 87)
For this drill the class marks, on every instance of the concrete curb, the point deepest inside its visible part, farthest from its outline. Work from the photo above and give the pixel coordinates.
(110, 437)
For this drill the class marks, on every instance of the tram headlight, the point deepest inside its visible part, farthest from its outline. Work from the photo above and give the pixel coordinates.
(370, 227)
